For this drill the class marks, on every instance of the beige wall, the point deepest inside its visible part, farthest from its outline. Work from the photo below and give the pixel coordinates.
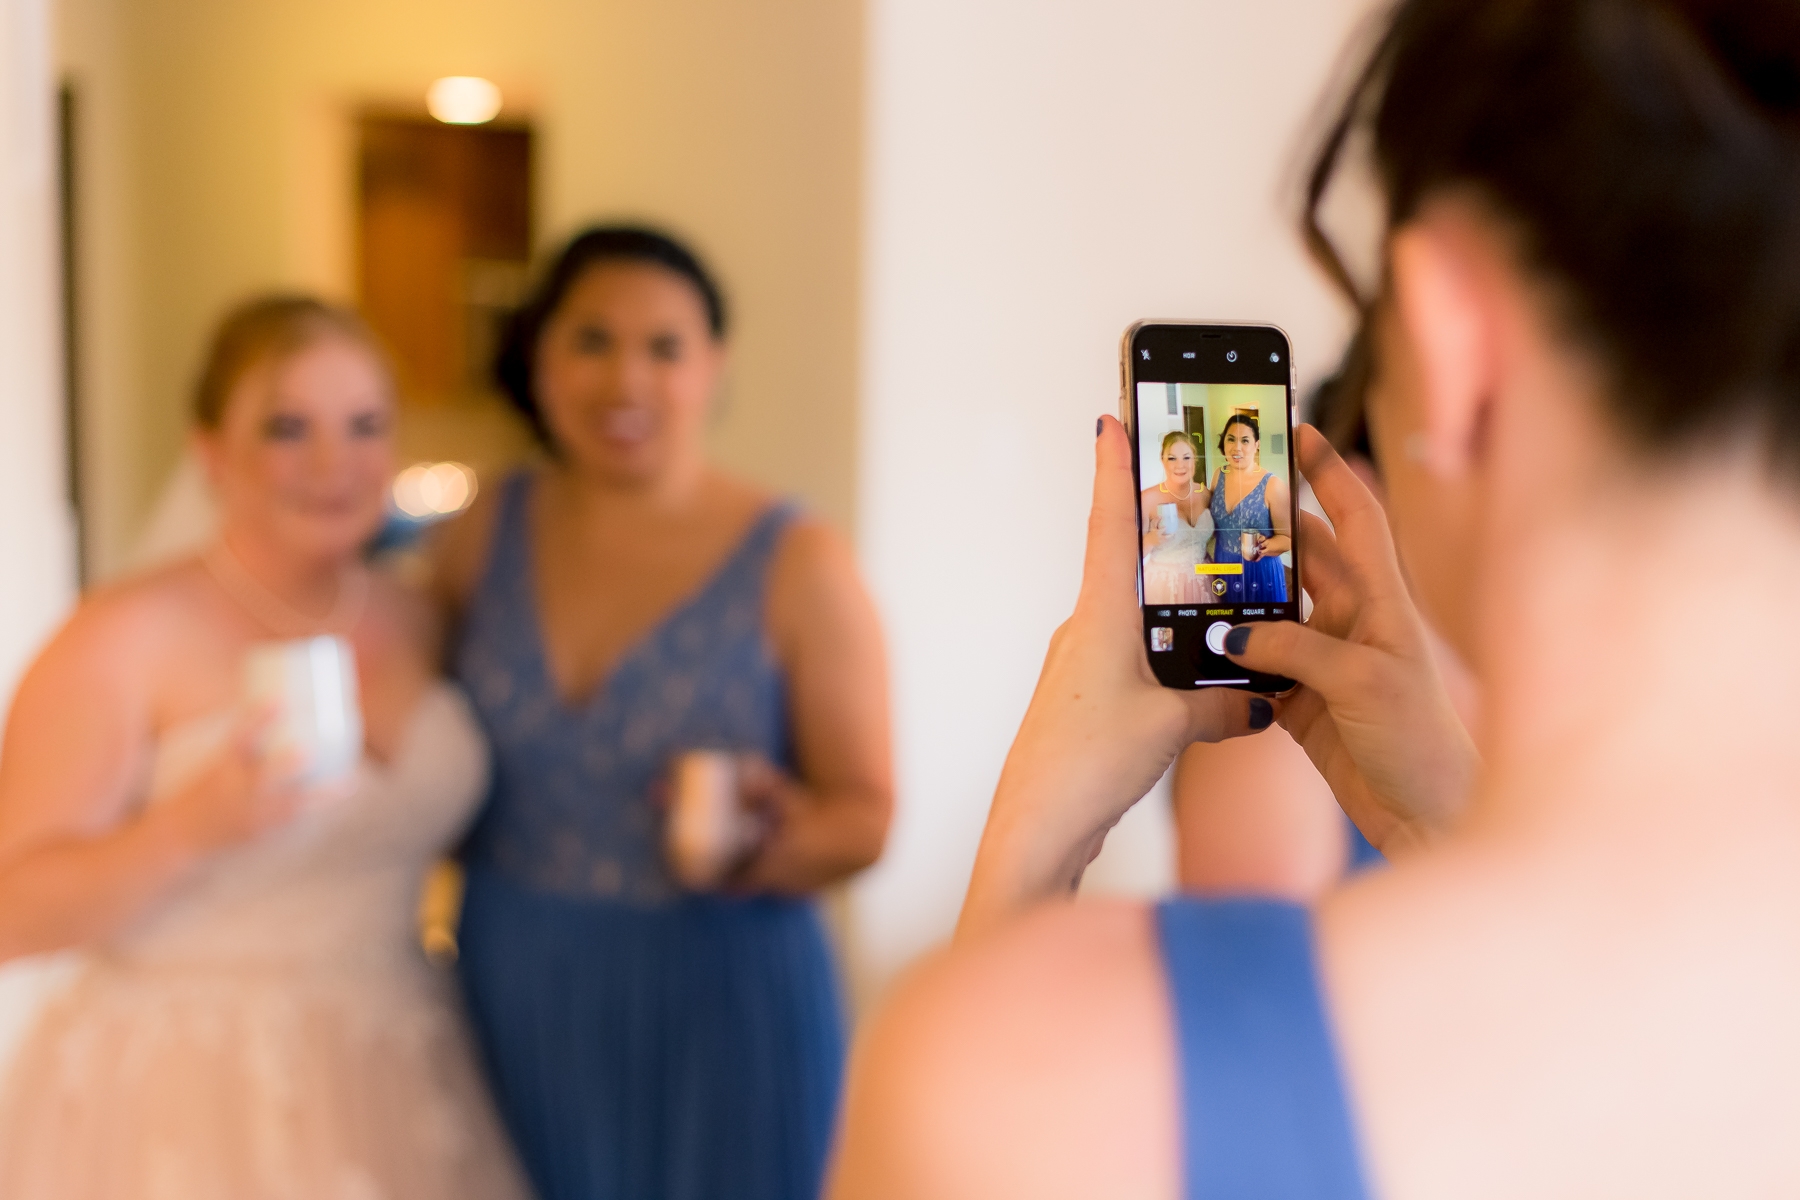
(220, 129)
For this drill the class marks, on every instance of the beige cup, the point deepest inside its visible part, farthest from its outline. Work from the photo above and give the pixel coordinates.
(708, 832)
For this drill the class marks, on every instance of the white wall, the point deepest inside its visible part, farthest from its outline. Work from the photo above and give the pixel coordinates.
(36, 546)
(1040, 174)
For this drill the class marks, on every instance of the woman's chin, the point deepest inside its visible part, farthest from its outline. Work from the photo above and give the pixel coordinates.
(618, 462)
(326, 541)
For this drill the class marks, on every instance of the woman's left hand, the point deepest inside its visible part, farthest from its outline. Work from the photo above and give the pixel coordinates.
(1100, 730)
(799, 837)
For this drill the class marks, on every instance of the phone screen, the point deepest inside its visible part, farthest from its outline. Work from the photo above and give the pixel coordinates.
(1210, 412)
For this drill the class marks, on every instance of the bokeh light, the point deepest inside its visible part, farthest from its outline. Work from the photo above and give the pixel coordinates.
(425, 491)
(463, 100)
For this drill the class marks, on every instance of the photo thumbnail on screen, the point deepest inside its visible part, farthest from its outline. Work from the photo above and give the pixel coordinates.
(1215, 510)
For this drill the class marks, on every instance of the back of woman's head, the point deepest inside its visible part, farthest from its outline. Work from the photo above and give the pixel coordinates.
(1646, 154)
(593, 247)
(265, 329)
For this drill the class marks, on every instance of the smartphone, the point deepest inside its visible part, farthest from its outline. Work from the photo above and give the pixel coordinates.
(1210, 411)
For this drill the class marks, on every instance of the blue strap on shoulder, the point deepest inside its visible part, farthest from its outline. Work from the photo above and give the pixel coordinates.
(1264, 1116)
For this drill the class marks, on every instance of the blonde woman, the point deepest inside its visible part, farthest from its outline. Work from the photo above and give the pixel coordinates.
(1176, 523)
(254, 1018)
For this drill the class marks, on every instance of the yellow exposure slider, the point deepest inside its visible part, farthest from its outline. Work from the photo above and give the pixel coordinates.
(1218, 568)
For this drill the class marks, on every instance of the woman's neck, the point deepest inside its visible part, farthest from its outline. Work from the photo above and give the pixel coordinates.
(672, 492)
(1638, 652)
(311, 586)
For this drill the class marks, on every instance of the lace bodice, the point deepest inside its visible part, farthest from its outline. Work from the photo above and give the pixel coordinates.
(1250, 514)
(1188, 542)
(271, 1029)
(572, 809)
(336, 889)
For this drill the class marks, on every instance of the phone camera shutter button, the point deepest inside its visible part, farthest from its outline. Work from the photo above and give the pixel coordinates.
(1215, 637)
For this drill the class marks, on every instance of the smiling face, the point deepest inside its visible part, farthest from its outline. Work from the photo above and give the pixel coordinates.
(626, 370)
(1240, 447)
(303, 453)
(1178, 463)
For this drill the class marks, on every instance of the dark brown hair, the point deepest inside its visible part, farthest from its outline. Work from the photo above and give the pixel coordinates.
(516, 362)
(265, 328)
(1647, 155)
(1245, 419)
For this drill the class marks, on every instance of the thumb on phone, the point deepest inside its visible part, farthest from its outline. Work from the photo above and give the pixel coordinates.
(1335, 669)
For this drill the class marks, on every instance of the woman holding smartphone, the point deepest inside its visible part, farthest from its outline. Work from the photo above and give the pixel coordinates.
(626, 603)
(253, 1016)
(1578, 975)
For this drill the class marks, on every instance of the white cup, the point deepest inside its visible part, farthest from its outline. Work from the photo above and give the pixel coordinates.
(1170, 516)
(310, 684)
(708, 832)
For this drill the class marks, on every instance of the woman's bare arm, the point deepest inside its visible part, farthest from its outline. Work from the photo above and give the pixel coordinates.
(78, 860)
(833, 820)
(1280, 515)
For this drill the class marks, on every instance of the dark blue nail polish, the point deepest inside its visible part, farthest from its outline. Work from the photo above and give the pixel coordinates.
(1238, 640)
(1099, 424)
(1262, 714)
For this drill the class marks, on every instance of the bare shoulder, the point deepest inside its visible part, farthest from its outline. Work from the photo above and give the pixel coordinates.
(458, 549)
(88, 699)
(811, 551)
(1036, 1062)
(815, 593)
(122, 624)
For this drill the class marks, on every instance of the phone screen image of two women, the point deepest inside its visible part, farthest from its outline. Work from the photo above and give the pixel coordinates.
(1215, 523)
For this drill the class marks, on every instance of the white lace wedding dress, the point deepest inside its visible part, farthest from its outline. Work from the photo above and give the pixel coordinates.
(272, 1031)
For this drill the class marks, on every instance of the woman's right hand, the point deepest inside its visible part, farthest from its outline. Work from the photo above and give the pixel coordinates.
(1371, 710)
(242, 795)
(1100, 729)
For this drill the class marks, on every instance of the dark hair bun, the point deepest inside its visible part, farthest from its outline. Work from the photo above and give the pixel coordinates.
(1648, 153)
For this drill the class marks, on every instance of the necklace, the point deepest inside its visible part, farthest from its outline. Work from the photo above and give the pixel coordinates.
(277, 615)
(1164, 489)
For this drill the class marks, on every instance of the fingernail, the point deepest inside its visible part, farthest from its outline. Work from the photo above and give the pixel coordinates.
(1099, 424)
(1238, 640)
(1262, 714)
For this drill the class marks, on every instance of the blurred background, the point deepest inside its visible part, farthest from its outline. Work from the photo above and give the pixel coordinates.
(933, 218)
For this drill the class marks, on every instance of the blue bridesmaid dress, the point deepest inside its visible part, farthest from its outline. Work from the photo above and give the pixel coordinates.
(644, 1043)
(1265, 579)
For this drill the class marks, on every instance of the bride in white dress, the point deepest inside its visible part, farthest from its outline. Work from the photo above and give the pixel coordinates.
(1177, 524)
(253, 1019)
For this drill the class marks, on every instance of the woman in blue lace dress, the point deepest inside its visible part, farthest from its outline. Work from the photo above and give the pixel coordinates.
(1250, 512)
(620, 605)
